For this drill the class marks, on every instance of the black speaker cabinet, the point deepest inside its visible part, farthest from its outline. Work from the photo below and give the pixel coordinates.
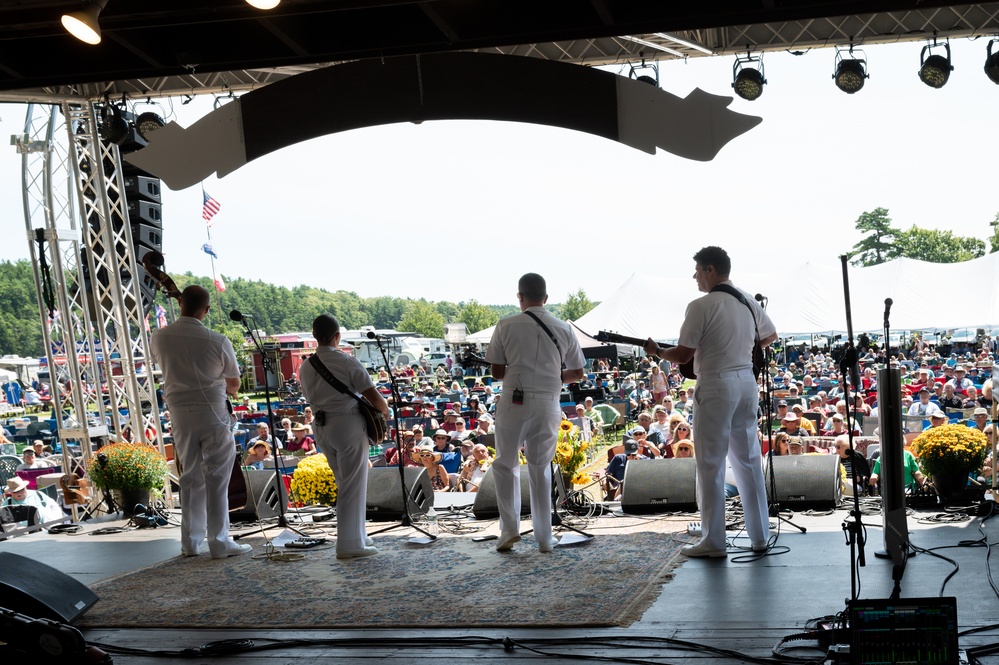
(41, 592)
(262, 498)
(384, 496)
(659, 486)
(805, 482)
(485, 506)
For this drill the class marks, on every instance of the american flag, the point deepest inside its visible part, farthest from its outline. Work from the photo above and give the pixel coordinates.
(219, 284)
(210, 209)
(161, 320)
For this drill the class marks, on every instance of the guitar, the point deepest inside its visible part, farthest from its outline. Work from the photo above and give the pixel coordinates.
(686, 369)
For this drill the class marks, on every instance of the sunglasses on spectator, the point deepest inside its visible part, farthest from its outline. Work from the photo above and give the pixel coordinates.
(440, 437)
(426, 454)
(685, 429)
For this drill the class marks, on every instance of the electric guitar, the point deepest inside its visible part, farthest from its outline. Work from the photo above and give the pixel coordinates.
(686, 369)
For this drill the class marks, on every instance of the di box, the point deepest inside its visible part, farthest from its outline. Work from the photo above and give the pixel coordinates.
(659, 486)
(40, 591)
(385, 493)
(804, 482)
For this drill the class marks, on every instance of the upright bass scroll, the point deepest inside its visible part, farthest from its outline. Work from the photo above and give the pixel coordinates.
(153, 262)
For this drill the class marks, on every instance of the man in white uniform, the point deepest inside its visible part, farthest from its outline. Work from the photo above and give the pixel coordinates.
(533, 368)
(719, 333)
(341, 434)
(199, 370)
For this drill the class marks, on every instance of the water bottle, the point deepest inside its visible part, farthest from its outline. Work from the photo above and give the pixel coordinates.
(432, 527)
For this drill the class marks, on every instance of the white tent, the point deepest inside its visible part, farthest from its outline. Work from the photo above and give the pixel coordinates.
(809, 298)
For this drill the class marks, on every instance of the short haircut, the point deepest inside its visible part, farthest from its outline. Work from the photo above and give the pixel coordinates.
(194, 299)
(324, 328)
(714, 256)
(532, 286)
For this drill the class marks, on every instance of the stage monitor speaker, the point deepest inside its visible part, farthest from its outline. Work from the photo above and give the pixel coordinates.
(891, 478)
(384, 496)
(805, 482)
(485, 506)
(41, 592)
(659, 486)
(262, 498)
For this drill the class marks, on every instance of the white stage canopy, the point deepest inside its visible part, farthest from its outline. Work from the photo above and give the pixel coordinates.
(809, 298)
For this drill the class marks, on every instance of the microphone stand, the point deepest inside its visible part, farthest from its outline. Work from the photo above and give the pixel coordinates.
(268, 366)
(849, 370)
(774, 507)
(405, 520)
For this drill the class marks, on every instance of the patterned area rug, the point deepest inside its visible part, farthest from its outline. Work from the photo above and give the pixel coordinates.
(609, 581)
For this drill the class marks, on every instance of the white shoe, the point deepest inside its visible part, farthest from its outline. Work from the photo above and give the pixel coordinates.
(368, 541)
(694, 529)
(354, 554)
(760, 547)
(233, 549)
(506, 541)
(702, 550)
(547, 547)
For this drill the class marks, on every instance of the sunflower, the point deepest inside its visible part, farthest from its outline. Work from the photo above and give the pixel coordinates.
(565, 426)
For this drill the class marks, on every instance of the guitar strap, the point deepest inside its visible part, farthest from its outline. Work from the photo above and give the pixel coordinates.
(561, 359)
(324, 372)
(738, 295)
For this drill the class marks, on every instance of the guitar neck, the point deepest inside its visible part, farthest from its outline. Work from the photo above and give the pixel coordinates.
(614, 338)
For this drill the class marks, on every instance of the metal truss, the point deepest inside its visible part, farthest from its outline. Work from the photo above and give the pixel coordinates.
(74, 200)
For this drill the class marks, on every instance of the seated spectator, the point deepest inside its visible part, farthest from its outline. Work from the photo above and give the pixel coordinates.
(29, 461)
(791, 424)
(419, 437)
(780, 447)
(614, 473)
(586, 426)
(442, 442)
(852, 462)
(459, 431)
(284, 432)
(681, 432)
(912, 477)
(973, 401)
(592, 413)
(43, 452)
(450, 416)
(474, 469)
(430, 459)
(638, 434)
(949, 400)
(661, 423)
(652, 436)
(937, 419)
(924, 407)
(961, 382)
(782, 409)
(409, 442)
(263, 434)
(259, 452)
(20, 495)
(484, 426)
(683, 448)
(301, 440)
(805, 423)
(981, 417)
(795, 446)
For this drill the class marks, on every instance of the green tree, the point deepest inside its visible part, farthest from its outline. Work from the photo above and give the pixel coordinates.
(384, 311)
(878, 247)
(938, 246)
(576, 305)
(476, 317)
(994, 239)
(423, 318)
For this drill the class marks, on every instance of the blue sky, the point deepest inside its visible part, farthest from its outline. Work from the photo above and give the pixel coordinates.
(458, 210)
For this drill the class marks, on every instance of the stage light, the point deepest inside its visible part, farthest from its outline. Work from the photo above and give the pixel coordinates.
(113, 128)
(992, 63)
(935, 69)
(850, 72)
(147, 123)
(263, 4)
(747, 77)
(645, 78)
(84, 24)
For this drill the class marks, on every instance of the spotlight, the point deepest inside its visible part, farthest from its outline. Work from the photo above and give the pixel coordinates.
(850, 72)
(992, 63)
(263, 4)
(84, 24)
(935, 69)
(148, 123)
(113, 128)
(633, 73)
(747, 77)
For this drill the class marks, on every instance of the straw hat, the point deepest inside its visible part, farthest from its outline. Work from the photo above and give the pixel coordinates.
(419, 451)
(16, 484)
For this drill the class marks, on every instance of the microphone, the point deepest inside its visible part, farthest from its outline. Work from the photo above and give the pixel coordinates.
(372, 335)
(760, 297)
(236, 315)
(888, 303)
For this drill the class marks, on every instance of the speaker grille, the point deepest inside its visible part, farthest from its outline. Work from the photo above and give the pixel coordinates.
(659, 486)
(805, 482)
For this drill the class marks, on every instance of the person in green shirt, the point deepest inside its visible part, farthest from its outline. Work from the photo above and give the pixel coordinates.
(911, 474)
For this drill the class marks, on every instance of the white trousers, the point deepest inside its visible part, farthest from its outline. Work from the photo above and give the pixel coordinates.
(532, 425)
(344, 441)
(206, 450)
(725, 425)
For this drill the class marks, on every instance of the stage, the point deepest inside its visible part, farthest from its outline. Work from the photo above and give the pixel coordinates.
(743, 603)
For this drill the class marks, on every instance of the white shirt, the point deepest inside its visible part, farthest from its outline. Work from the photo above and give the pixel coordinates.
(195, 361)
(347, 369)
(531, 359)
(722, 333)
(920, 409)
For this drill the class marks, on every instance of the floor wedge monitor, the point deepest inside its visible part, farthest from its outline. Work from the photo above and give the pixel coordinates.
(485, 506)
(659, 486)
(41, 592)
(804, 482)
(384, 496)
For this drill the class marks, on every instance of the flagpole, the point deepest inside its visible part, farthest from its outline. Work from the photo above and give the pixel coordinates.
(215, 282)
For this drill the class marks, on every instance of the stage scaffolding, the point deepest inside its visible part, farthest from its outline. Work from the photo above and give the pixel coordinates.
(89, 299)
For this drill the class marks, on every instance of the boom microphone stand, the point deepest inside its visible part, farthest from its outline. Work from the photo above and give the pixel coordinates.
(405, 520)
(849, 370)
(267, 363)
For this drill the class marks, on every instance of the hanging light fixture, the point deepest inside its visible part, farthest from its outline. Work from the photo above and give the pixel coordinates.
(747, 77)
(992, 63)
(147, 123)
(850, 72)
(935, 69)
(84, 24)
(263, 4)
(653, 69)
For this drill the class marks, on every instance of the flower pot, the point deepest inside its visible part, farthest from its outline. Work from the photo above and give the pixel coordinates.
(127, 500)
(949, 485)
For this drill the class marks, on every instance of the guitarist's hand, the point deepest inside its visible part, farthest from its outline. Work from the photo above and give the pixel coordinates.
(651, 347)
